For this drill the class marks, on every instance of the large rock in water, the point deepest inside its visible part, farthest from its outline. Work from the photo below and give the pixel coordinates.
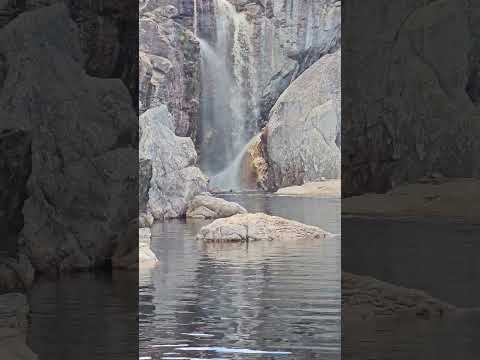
(257, 227)
(304, 127)
(209, 207)
(74, 180)
(175, 179)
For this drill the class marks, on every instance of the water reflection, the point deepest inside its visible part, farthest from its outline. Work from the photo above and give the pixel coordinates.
(232, 301)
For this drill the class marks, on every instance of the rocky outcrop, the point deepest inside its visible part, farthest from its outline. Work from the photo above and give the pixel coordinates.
(14, 311)
(169, 63)
(175, 179)
(73, 180)
(259, 227)
(419, 112)
(303, 131)
(367, 298)
(209, 207)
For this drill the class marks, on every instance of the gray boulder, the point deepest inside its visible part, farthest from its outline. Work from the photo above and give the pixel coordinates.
(257, 227)
(209, 207)
(304, 127)
(175, 179)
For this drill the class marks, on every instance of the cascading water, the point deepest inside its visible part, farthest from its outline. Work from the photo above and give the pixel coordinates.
(228, 101)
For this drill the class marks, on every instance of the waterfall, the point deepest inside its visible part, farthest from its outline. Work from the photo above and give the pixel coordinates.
(228, 101)
(195, 18)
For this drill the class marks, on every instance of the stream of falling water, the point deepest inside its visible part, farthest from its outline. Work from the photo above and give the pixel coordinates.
(228, 101)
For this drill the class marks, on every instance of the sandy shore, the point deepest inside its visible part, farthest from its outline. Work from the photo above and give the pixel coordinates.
(319, 188)
(445, 198)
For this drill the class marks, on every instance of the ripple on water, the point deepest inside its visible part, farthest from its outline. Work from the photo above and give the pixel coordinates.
(260, 302)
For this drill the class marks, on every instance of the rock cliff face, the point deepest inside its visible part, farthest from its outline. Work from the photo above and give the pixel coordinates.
(282, 40)
(302, 135)
(72, 180)
(107, 30)
(387, 142)
(174, 179)
(169, 62)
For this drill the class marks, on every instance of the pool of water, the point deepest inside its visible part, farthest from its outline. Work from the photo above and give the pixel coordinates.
(233, 301)
(437, 256)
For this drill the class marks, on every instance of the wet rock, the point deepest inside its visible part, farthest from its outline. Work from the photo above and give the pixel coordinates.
(304, 126)
(365, 298)
(175, 179)
(258, 227)
(146, 256)
(14, 310)
(74, 180)
(209, 207)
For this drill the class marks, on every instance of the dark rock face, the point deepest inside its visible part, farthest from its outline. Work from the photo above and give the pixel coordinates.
(386, 141)
(79, 190)
(15, 168)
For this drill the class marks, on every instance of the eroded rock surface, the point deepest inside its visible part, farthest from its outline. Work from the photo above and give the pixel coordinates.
(258, 227)
(304, 127)
(169, 63)
(175, 179)
(209, 207)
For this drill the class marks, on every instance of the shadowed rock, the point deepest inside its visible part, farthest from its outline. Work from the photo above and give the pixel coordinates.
(257, 227)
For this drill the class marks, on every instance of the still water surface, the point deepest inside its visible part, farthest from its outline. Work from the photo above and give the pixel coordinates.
(264, 301)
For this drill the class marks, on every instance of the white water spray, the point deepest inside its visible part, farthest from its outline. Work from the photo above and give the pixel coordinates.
(229, 101)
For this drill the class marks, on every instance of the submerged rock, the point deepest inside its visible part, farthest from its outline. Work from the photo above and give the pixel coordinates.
(209, 207)
(256, 227)
(14, 311)
(174, 178)
(304, 127)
